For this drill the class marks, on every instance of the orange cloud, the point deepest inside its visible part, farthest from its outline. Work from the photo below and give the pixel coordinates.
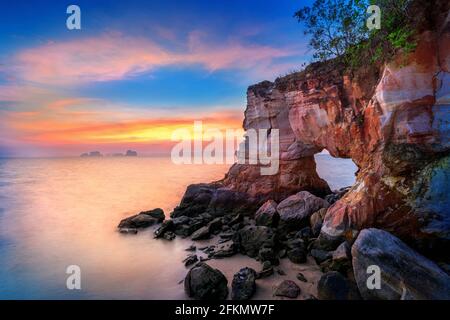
(72, 122)
(114, 56)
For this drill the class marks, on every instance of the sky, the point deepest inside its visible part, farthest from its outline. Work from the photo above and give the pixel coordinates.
(136, 71)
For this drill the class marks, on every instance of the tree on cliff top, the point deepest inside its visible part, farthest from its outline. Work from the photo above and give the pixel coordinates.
(338, 29)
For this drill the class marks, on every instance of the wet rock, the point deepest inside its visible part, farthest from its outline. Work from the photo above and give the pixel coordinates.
(287, 288)
(191, 259)
(267, 214)
(404, 272)
(251, 239)
(243, 286)
(200, 234)
(143, 220)
(295, 210)
(205, 283)
(165, 226)
(268, 254)
(301, 277)
(320, 255)
(333, 286)
(296, 251)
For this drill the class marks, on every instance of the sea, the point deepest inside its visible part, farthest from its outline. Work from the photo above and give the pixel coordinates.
(57, 213)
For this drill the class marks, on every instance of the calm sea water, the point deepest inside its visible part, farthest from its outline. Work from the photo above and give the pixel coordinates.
(60, 212)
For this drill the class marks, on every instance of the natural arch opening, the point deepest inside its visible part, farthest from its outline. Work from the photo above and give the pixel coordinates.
(337, 172)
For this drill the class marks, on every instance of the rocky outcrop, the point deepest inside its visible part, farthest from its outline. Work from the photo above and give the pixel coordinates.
(405, 274)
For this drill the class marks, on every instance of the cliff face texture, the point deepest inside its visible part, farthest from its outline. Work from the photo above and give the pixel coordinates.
(393, 122)
(395, 126)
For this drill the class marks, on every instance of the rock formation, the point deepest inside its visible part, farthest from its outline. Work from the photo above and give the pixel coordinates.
(391, 120)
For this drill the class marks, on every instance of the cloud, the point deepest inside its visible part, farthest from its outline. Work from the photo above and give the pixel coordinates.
(114, 56)
(78, 121)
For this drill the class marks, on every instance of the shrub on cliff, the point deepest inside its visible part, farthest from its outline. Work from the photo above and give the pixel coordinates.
(338, 29)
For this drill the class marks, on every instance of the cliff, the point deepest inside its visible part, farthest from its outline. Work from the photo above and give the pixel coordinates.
(392, 120)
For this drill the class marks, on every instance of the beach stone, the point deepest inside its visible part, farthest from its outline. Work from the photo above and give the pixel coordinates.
(243, 286)
(341, 258)
(296, 251)
(333, 286)
(404, 272)
(215, 225)
(268, 254)
(205, 283)
(316, 221)
(202, 233)
(287, 288)
(165, 226)
(267, 214)
(226, 249)
(251, 239)
(296, 209)
(320, 255)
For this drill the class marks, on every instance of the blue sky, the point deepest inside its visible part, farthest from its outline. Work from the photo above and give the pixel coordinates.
(138, 58)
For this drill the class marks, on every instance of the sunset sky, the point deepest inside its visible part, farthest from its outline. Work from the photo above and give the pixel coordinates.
(136, 71)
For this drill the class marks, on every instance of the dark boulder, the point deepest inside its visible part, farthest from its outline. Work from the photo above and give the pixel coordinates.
(205, 283)
(288, 289)
(334, 286)
(143, 220)
(251, 239)
(404, 273)
(243, 286)
(267, 214)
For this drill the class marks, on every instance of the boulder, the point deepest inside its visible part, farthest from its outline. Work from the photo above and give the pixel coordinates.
(288, 289)
(165, 226)
(296, 251)
(202, 233)
(243, 286)
(334, 286)
(404, 272)
(267, 214)
(205, 283)
(320, 255)
(268, 254)
(251, 239)
(143, 220)
(341, 258)
(295, 210)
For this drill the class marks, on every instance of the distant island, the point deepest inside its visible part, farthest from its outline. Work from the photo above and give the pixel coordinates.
(97, 154)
